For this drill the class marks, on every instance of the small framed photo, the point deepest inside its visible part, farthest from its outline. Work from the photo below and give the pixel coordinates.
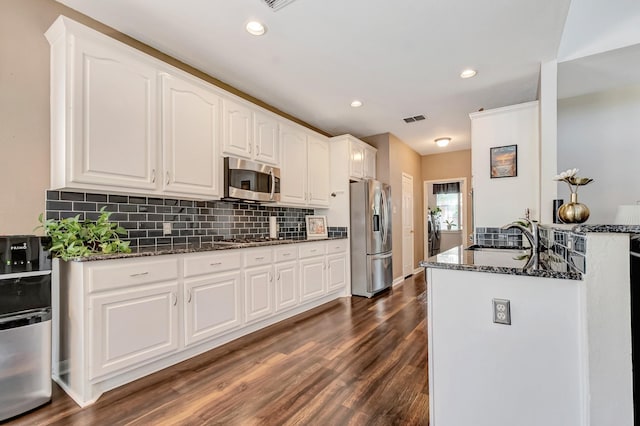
(504, 161)
(316, 227)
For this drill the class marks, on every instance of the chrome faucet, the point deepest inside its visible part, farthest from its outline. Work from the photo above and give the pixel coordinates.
(530, 231)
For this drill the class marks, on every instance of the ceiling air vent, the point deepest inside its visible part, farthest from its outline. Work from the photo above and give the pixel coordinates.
(414, 118)
(277, 4)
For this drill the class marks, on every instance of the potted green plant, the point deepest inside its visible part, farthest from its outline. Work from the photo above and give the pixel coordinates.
(72, 238)
(449, 223)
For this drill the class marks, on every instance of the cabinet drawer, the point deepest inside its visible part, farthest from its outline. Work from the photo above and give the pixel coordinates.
(258, 257)
(282, 254)
(111, 274)
(201, 264)
(337, 246)
(312, 249)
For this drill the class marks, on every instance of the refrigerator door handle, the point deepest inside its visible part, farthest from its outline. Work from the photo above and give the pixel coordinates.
(383, 212)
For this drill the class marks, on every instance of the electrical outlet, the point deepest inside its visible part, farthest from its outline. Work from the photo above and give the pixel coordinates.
(166, 228)
(502, 311)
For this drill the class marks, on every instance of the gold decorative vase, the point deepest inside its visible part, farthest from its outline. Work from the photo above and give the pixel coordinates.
(573, 212)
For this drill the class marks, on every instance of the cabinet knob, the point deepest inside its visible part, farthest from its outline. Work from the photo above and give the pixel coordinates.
(188, 296)
(139, 274)
(153, 176)
(168, 177)
(175, 299)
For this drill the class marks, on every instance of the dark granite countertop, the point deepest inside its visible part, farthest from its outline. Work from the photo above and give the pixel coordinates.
(507, 261)
(624, 229)
(192, 248)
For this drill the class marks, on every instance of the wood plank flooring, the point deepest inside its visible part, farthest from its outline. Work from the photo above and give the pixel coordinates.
(354, 361)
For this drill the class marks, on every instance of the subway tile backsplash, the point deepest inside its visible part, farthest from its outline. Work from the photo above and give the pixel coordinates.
(498, 237)
(192, 221)
(564, 247)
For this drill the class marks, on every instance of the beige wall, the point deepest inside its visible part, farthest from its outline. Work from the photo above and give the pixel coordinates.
(456, 164)
(394, 159)
(24, 105)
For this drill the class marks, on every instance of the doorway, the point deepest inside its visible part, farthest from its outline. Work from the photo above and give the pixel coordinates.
(445, 214)
(407, 225)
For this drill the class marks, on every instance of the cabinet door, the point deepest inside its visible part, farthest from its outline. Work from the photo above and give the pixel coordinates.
(132, 325)
(370, 163)
(318, 172)
(356, 160)
(258, 288)
(337, 272)
(190, 131)
(266, 138)
(238, 129)
(286, 285)
(113, 118)
(293, 181)
(312, 278)
(213, 306)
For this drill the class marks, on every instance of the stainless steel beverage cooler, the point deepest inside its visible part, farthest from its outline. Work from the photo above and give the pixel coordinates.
(25, 325)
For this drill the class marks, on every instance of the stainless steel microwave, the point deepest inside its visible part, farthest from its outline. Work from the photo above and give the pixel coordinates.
(250, 181)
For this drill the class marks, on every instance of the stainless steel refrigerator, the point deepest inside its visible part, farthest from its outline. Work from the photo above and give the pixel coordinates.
(370, 238)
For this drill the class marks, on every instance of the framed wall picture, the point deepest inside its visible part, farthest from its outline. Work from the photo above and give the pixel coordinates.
(316, 227)
(504, 161)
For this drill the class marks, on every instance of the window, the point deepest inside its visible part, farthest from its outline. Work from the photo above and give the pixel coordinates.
(449, 200)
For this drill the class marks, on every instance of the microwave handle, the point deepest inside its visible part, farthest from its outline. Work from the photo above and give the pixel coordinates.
(273, 184)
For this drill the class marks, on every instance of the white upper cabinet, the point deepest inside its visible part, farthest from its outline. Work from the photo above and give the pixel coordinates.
(357, 156)
(249, 132)
(370, 154)
(317, 171)
(356, 160)
(305, 168)
(237, 138)
(266, 136)
(293, 185)
(104, 111)
(190, 135)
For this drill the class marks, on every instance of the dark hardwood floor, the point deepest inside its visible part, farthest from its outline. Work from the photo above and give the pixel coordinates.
(354, 361)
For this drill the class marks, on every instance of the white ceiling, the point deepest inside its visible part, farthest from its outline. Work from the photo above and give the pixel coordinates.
(401, 58)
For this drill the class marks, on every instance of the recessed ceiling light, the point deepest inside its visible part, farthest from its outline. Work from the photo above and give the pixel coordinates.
(468, 73)
(442, 142)
(356, 104)
(255, 28)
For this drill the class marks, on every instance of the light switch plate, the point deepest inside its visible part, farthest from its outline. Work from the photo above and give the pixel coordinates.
(166, 228)
(502, 311)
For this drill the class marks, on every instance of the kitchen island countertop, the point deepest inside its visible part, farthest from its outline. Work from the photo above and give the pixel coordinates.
(496, 261)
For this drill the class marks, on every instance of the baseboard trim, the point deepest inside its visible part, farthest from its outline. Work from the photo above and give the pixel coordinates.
(397, 281)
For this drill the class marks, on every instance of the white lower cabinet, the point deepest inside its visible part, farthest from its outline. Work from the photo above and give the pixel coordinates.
(286, 285)
(258, 286)
(286, 277)
(312, 278)
(337, 265)
(313, 269)
(213, 305)
(115, 321)
(337, 272)
(132, 325)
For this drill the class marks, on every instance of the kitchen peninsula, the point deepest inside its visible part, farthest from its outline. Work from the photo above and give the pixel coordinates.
(565, 356)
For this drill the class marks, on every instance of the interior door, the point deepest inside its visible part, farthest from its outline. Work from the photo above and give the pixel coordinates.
(407, 224)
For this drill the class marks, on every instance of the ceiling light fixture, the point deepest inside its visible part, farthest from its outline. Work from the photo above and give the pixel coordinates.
(468, 73)
(255, 28)
(442, 142)
(356, 103)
